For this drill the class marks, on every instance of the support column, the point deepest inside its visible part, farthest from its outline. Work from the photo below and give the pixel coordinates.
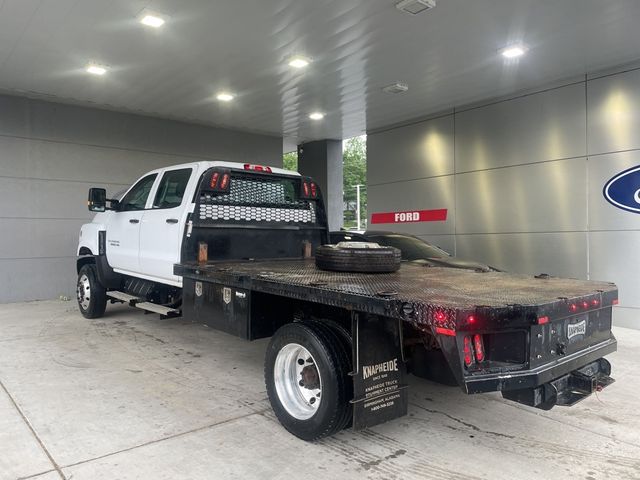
(322, 160)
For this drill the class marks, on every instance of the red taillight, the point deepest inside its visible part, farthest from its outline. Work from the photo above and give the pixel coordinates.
(440, 316)
(224, 183)
(595, 302)
(257, 168)
(615, 302)
(314, 190)
(305, 187)
(471, 319)
(479, 347)
(543, 320)
(445, 331)
(573, 307)
(585, 305)
(468, 351)
(214, 180)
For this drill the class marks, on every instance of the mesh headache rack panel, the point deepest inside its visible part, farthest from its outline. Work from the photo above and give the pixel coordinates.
(258, 199)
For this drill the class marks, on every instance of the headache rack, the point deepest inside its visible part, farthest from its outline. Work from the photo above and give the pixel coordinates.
(242, 214)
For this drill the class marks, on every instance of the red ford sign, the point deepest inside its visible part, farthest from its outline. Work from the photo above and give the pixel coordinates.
(411, 216)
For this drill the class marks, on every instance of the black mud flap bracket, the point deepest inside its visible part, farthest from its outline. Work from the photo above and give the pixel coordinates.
(566, 390)
(380, 392)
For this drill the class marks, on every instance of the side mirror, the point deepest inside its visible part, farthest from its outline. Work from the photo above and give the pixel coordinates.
(97, 200)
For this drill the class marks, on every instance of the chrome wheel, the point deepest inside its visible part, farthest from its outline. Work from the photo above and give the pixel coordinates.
(84, 292)
(297, 381)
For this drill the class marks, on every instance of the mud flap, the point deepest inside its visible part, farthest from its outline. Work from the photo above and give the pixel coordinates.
(379, 377)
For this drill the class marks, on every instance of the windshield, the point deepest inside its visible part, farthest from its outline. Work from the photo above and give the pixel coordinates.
(412, 248)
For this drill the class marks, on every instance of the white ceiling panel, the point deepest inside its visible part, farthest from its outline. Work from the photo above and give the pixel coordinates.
(448, 56)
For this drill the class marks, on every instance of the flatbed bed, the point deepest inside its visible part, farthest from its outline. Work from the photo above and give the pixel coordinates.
(423, 288)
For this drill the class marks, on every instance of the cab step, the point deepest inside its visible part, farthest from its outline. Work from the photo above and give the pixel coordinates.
(138, 302)
(124, 297)
(161, 309)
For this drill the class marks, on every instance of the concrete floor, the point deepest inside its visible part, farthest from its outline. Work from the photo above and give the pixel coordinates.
(130, 396)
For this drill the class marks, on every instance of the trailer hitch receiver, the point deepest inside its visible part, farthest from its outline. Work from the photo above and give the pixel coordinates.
(566, 390)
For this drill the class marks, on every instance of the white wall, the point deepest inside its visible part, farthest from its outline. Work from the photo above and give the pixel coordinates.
(50, 154)
(522, 180)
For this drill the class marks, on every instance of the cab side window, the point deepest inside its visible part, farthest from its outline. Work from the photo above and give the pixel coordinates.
(172, 187)
(136, 198)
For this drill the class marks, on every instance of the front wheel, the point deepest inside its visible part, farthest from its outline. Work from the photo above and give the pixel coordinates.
(92, 296)
(307, 379)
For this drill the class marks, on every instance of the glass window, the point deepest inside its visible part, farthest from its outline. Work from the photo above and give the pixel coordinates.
(171, 188)
(136, 198)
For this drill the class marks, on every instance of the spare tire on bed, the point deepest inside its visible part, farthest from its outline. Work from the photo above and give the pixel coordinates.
(362, 257)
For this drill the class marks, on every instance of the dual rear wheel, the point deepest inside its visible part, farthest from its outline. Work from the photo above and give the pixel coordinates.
(307, 369)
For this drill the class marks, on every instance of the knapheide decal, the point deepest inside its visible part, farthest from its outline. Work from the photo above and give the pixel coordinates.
(410, 216)
(623, 190)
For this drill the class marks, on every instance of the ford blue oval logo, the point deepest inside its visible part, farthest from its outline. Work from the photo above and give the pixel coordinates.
(623, 190)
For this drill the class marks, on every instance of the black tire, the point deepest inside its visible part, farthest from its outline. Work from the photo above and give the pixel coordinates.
(333, 363)
(92, 301)
(361, 260)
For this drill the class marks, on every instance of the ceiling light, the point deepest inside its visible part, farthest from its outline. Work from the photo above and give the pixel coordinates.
(513, 51)
(414, 7)
(151, 19)
(316, 116)
(96, 69)
(298, 61)
(225, 96)
(397, 87)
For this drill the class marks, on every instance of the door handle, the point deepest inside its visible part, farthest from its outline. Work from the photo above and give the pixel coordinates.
(172, 220)
(134, 220)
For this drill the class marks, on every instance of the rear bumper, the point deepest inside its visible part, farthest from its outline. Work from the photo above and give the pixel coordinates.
(544, 374)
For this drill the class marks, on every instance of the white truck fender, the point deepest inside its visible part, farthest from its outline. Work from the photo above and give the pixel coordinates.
(88, 243)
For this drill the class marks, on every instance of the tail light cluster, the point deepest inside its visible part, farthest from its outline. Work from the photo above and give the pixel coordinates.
(473, 349)
(583, 305)
(220, 181)
(309, 189)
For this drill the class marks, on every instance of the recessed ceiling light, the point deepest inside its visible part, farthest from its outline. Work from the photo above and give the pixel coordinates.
(316, 116)
(225, 96)
(414, 7)
(298, 61)
(151, 19)
(514, 51)
(96, 69)
(397, 87)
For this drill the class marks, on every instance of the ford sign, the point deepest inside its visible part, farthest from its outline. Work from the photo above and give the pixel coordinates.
(623, 190)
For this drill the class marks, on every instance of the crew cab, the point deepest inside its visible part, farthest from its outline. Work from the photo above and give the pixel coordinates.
(232, 246)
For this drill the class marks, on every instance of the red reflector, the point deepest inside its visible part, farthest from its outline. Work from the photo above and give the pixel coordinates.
(479, 347)
(543, 320)
(224, 183)
(468, 351)
(585, 304)
(305, 187)
(615, 302)
(573, 307)
(595, 302)
(445, 331)
(314, 191)
(214, 180)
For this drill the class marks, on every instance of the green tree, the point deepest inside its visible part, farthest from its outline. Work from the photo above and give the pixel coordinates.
(290, 161)
(354, 164)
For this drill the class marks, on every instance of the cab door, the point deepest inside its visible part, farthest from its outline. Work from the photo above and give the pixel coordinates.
(123, 228)
(163, 224)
